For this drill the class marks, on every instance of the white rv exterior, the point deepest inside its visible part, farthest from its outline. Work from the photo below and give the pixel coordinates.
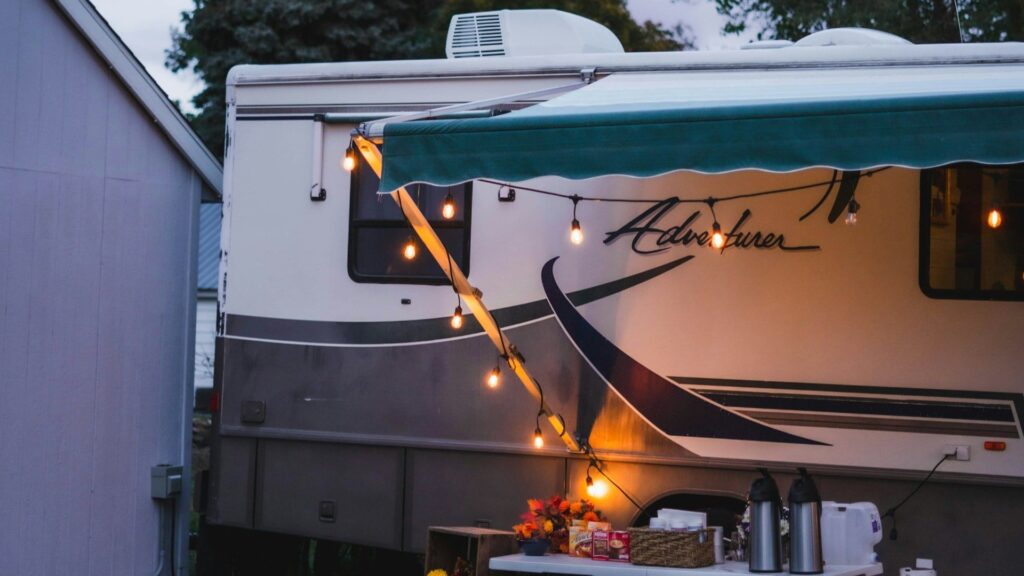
(334, 388)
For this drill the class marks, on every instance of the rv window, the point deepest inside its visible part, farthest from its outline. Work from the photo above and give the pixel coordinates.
(378, 232)
(972, 232)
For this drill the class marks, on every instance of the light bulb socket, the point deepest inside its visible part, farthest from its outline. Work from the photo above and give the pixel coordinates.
(590, 481)
(458, 311)
(716, 228)
(575, 225)
(853, 207)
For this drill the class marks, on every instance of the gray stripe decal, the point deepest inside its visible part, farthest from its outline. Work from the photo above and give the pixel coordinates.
(914, 425)
(1016, 398)
(408, 331)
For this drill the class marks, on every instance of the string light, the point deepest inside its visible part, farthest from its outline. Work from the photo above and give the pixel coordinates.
(448, 209)
(717, 238)
(575, 230)
(349, 161)
(595, 463)
(409, 250)
(995, 218)
(575, 198)
(538, 438)
(851, 212)
(494, 378)
(457, 315)
(595, 488)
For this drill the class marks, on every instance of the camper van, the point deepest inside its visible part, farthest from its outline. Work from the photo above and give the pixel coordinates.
(450, 285)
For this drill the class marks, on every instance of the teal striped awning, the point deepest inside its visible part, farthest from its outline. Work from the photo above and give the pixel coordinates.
(646, 124)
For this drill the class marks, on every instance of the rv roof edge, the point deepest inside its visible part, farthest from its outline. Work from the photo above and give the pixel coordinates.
(375, 128)
(571, 64)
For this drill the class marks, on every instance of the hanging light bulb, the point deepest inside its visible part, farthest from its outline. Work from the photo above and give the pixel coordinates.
(457, 318)
(538, 438)
(349, 161)
(575, 230)
(851, 212)
(448, 209)
(409, 250)
(717, 238)
(995, 218)
(595, 488)
(494, 377)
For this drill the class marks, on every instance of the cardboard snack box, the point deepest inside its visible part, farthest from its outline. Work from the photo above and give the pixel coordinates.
(611, 545)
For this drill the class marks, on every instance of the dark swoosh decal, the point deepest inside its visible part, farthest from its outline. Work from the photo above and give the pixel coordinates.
(674, 411)
(408, 331)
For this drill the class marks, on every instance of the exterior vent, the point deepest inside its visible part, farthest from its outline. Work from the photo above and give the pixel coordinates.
(476, 35)
(527, 33)
(851, 37)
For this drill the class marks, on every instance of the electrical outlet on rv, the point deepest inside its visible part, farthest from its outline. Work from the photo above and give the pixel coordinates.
(958, 452)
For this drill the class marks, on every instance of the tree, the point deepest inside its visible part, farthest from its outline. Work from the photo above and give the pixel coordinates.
(920, 21)
(219, 34)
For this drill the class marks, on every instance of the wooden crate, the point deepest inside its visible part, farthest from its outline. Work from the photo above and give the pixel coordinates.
(475, 545)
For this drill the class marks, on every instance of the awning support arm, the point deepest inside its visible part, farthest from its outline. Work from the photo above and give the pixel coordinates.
(470, 295)
(375, 129)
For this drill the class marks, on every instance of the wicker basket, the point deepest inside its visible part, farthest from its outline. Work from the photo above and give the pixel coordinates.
(672, 549)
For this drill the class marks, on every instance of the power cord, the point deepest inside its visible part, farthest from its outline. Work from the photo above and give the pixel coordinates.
(891, 512)
(596, 462)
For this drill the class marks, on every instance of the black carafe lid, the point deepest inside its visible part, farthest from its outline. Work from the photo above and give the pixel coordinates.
(804, 489)
(764, 489)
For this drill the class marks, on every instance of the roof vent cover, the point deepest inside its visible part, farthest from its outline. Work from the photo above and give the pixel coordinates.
(475, 35)
(526, 33)
(851, 37)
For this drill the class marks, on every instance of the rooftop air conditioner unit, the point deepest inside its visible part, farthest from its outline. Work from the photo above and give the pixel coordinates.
(527, 33)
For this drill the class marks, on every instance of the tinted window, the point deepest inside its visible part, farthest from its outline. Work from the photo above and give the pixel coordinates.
(962, 254)
(378, 232)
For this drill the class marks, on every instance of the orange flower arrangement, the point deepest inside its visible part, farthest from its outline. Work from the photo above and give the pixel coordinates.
(550, 520)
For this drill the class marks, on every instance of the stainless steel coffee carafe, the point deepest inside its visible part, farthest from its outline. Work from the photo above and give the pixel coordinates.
(765, 517)
(805, 526)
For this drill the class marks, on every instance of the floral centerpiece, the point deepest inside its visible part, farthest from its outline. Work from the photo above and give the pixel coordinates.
(550, 520)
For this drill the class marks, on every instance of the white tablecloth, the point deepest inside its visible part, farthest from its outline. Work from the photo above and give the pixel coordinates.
(564, 564)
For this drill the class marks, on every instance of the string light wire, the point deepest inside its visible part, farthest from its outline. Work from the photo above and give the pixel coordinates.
(596, 463)
(457, 316)
(583, 198)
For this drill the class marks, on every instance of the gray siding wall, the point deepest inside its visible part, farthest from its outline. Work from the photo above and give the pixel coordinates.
(97, 236)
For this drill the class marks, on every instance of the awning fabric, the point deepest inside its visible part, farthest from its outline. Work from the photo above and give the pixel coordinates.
(645, 124)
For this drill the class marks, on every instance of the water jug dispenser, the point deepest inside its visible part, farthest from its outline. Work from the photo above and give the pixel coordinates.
(765, 517)
(805, 526)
